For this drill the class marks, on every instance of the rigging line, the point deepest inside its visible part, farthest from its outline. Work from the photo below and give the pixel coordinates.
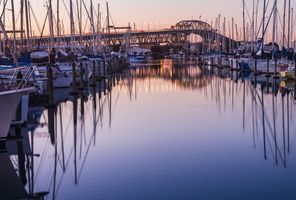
(89, 17)
(41, 159)
(17, 18)
(68, 126)
(101, 108)
(261, 23)
(41, 35)
(282, 26)
(117, 98)
(35, 18)
(64, 136)
(65, 6)
(270, 16)
(237, 94)
(85, 157)
(85, 26)
(55, 21)
(248, 14)
(67, 165)
(4, 8)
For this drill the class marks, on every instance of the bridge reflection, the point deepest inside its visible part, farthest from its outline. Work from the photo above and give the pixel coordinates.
(190, 77)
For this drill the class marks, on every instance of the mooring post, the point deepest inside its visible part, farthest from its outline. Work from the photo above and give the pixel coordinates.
(255, 70)
(268, 65)
(74, 91)
(114, 80)
(94, 75)
(212, 61)
(231, 65)
(231, 75)
(49, 85)
(104, 69)
(105, 86)
(295, 91)
(294, 71)
(100, 89)
(81, 85)
(109, 85)
(267, 84)
(99, 69)
(275, 76)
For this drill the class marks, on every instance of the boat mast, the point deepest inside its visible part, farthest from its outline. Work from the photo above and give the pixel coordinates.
(292, 27)
(256, 21)
(263, 26)
(92, 26)
(4, 13)
(289, 23)
(253, 27)
(229, 36)
(2, 27)
(99, 27)
(13, 25)
(58, 22)
(108, 19)
(72, 25)
(232, 24)
(274, 28)
(244, 23)
(22, 25)
(30, 21)
(220, 32)
(27, 25)
(79, 17)
(224, 34)
(51, 45)
(236, 30)
(284, 22)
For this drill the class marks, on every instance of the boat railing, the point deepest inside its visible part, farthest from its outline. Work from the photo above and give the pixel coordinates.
(19, 82)
(15, 71)
(27, 76)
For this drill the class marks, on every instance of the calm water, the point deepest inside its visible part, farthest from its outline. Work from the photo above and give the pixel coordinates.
(169, 132)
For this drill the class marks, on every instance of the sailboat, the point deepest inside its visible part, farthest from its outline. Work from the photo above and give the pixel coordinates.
(11, 93)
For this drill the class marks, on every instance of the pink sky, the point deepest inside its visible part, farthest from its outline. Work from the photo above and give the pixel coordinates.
(157, 14)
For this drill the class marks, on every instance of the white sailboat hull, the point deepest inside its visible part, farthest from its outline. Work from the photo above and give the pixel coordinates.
(9, 101)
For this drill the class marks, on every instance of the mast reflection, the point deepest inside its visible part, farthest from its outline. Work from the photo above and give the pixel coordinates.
(67, 134)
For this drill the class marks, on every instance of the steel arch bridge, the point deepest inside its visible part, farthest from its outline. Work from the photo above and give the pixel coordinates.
(175, 35)
(195, 25)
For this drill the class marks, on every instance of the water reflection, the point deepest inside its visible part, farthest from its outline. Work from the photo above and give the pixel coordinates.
(171, 113)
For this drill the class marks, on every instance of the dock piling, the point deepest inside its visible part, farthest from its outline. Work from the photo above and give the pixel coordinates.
(268, 68)
(81, 84)
(94, 84)
(255, 70)
(49, 85)
(74, 90)
(275, 76)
